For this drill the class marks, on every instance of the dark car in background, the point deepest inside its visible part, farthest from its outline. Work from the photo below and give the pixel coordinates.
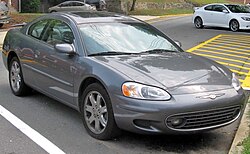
(120, 73)
(99, 4)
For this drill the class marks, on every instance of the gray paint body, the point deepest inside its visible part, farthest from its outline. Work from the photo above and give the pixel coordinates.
(185, 76)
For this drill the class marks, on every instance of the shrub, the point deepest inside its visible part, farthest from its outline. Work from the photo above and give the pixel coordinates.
(30, 6)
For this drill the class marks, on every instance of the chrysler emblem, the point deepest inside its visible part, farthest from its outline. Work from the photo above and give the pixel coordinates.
(211, 96)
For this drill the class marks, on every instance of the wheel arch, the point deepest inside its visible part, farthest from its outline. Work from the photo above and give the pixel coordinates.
(11, 55)
(84, 84)
(233, 20)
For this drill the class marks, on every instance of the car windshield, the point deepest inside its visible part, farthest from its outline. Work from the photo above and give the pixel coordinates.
(123, 38)
(238, 8)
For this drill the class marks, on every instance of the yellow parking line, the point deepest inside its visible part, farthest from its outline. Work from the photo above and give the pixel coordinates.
(235, 36)
(221, 53)
(229, 46)
(246, 82)
(233, 65)
(234, 43)
(238, 72)
(202, 44)
(216, 57)
(243, 40)
(225, 50)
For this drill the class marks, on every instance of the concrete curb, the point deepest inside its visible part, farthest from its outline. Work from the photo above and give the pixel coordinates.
(242, 132)
(151, 19)
(161, 18)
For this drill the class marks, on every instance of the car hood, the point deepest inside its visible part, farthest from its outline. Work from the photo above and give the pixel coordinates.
(177, 72)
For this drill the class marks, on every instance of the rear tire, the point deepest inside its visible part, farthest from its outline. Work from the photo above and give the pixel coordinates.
(234, 25)
(97, 113)
(1, 25)
(198, 23)
(17, 85)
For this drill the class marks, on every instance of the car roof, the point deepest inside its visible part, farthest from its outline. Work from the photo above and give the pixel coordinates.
(97, 17)
(72, 2)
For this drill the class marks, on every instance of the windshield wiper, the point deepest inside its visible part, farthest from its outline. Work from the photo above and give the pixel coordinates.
(109, 53)
(157, 51)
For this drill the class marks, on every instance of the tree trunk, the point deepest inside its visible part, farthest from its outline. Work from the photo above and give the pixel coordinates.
(133, 6)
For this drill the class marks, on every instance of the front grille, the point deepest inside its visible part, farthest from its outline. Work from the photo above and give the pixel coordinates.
(203, 119)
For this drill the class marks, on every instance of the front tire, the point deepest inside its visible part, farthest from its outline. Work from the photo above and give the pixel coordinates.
(97, 113)
(234, 25)
(17, 85)
(198, 23)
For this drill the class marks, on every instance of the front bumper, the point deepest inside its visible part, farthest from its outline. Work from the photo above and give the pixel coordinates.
(4, 19)
(154, 117)
(244, 25)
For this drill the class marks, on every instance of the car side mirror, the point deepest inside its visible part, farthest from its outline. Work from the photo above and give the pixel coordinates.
(225, 11)
(178, 43)
(65, 48)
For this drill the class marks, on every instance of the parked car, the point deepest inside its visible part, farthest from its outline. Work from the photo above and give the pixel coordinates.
(120, 73)
(71, 6)
(4, 10)
(99, 4)
(231, 16)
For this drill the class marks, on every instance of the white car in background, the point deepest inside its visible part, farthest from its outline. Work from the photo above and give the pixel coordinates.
(231, 16)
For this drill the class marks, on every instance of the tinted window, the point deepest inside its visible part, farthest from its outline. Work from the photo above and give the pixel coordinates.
(238, 8)
(77, 4)
(64, 5)
(36, 29)
(58, 32)
(209, 8)
(219, 8)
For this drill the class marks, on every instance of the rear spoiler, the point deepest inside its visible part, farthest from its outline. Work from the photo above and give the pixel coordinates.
(196, 8)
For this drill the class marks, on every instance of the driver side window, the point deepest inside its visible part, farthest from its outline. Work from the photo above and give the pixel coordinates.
(58, 32)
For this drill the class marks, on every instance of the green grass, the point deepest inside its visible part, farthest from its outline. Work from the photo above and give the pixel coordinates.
(159, 1)
(202, 2)
(246, 145)
(160, 12)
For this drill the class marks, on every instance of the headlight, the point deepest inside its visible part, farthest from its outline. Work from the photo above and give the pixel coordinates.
(235, 82)
(140, 91)
(245, 18)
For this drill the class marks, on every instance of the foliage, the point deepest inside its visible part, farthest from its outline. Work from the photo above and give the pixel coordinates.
(55, 2)
(30, 6)
(159, 12)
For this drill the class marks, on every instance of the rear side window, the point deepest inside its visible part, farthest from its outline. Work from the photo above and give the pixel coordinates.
(77, 4)
(209, 8)
(37, 28)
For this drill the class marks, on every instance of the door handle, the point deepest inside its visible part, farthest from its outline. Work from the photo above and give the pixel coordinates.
(37, 53)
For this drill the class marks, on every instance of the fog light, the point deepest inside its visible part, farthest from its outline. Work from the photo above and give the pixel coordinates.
(176, 122)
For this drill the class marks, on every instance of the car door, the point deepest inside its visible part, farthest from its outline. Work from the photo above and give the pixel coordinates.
(56, 69)
(220, 18)
(78, 6)
(207, 15)
(66, 6)
(28, 47)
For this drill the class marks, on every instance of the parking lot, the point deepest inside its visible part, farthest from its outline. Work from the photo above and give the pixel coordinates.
(232, 51)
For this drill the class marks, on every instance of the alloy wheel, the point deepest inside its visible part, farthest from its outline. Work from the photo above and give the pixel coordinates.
(15, 76)
(95, 112)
